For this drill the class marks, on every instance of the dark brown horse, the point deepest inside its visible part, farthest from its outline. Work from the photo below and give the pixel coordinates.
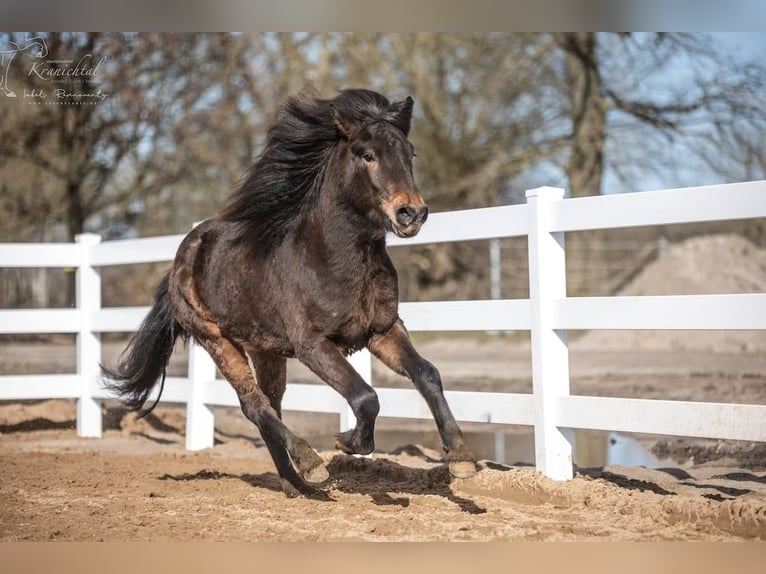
(296, 266)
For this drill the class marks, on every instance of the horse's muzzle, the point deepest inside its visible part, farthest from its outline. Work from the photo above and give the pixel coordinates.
(408, 220)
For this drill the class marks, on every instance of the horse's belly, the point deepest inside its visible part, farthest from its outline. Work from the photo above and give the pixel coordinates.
(355, 333)
(351, 339)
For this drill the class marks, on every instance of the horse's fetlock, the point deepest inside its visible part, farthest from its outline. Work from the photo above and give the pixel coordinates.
(367, 405)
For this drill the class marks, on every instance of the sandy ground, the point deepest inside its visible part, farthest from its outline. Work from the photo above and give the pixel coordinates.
(137, 483)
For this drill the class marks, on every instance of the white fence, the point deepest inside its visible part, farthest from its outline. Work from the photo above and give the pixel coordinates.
(548, 314)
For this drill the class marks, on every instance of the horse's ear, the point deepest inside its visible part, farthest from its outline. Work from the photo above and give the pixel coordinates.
(401, 114)
(345, 124)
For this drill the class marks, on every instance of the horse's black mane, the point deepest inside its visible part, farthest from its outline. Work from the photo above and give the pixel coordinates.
(284, 181)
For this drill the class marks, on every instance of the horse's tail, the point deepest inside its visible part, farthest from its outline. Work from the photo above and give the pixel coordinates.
(145, 359)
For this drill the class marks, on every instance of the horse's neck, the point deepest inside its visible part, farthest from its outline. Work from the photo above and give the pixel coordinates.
(348, 238)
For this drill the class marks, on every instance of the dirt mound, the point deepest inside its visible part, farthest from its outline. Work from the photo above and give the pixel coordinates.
(711, 264)
(704, 264)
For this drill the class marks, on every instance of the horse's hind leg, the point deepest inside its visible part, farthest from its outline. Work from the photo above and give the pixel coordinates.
(270, 373)
(257, 407)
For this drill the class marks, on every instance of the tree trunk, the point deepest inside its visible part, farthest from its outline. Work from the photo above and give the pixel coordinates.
(75, 226)
(75, 215)
(588, 111)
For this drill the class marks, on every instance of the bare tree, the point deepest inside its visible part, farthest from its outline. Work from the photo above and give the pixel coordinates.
(114, 139)
(676, 87)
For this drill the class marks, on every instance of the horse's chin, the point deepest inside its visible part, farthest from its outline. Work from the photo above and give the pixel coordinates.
(405, 232)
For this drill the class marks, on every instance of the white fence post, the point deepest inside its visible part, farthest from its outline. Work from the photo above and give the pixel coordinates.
(550, 355)
(362, 363)
(200, 419)
(88, 346)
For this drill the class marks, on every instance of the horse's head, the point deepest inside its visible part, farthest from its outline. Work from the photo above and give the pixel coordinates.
(381, 156)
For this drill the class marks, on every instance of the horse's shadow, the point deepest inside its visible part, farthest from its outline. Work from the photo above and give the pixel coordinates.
(386, 482)
(380, 478)
(267, 480)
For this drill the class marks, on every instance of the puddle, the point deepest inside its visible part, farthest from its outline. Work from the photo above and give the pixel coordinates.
(624, 450)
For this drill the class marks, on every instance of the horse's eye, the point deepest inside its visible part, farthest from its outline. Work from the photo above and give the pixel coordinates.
(369, 157)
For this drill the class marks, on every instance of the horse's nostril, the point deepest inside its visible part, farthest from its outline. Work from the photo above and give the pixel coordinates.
(423, 214)
(405, 215)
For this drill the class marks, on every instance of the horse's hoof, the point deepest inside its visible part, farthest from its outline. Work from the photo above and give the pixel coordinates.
(289, 490)
(298, 489)
(462, 468)
(349, 444)
(316, 475)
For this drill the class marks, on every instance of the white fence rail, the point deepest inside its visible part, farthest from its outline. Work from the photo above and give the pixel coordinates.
(548, 314)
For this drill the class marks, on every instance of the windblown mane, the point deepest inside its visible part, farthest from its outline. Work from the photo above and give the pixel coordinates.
(283, 184)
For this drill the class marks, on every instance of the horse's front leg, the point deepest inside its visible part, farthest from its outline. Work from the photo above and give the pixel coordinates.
(325, 360)
(394, 348)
